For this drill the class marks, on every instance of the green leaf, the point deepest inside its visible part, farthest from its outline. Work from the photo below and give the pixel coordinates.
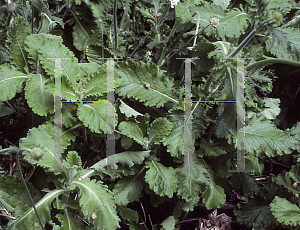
(273, 108)
(5, 110)
(285, 212)
(12, 195)
(195, 179)
(73, 165)
(284, 179)
(211, 150)
(29, 218)
(263, 138)
(68, 222)
(132, 130)
(127, 110)
(214, 196)
(33, 44)
(129, 158)
(169, 223)
(54, 48)
(289, 39)
(81, 35)
(98, 84)
(175, 141)
(97, 204)
(134, 77)
(256, 214)
(251, 163)
(233, 23)
(93, 115)
(158, 129)
(223, 3)
(162, 180)
(11, 81)
(39, 4)
(183, 12)
(37, 137)
(128, 189)
(16, 35)
(128, 214)
(37, 97)
(94, 52)
(66, 137)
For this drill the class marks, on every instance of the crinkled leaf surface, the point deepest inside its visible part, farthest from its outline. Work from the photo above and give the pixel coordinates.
(134, 77)
(16, 35)
(279, 48)
(37, 97)
(128, 214)
(95, 198)
(162, 180)
(285, 212)
(132, 130)
(273, 108)
(232, 23)
(93, 115)
(262, 137)
(68, 222)
(196, 178)
(129, 158)
(13, 197)
(11, 81)
(38, 137)
(128, 189)
(169, 223)
(54, 49)
(158, 129)
(27, 220)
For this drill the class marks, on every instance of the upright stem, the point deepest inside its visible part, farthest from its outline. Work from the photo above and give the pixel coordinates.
(115, 25)
(27, 190)
(162, 56)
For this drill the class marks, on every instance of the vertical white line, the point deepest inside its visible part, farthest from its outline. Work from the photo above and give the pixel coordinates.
(110, 115)
(57, 116)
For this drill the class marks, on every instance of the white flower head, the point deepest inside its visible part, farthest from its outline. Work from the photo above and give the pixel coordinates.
(173, 2)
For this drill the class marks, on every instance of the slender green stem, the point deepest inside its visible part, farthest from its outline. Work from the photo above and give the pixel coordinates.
(115, 24)
(184, 45)
(126, 8)
(176, 24)
(271, 61)
(160, 19)
(11, 149)
(32, 18)
(26, 188)
(40, 24)
(102, 40)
